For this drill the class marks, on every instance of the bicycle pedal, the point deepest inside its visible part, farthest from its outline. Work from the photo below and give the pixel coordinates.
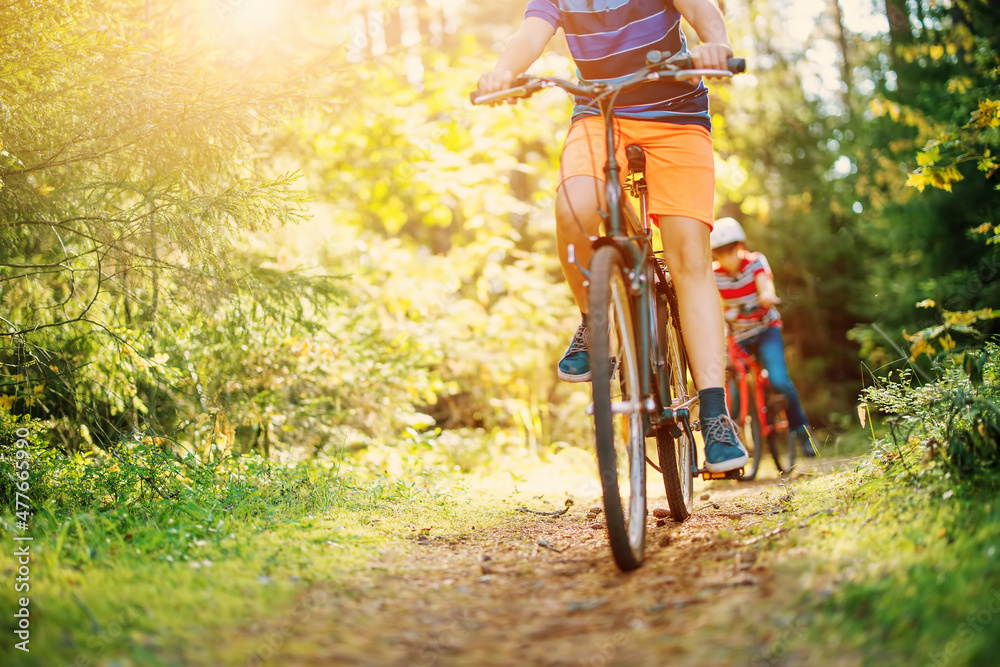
(729, 474)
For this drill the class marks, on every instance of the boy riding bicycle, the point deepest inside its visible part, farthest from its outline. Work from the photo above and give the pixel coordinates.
(669, 119)
(746, 286)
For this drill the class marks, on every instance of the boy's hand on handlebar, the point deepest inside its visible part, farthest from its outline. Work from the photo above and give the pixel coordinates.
(711, 55)
(767, 300)
(496, 80)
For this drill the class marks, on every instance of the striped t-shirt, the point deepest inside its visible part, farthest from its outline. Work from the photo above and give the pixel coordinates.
(745, 315)
(609, 39)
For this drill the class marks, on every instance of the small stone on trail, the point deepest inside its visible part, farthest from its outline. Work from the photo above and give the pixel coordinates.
(594, 511)
(487, 557)
(661, 513)
(665, 541)
(716, 505)
(660, 523)
(705, 496)
(586, 605)
(597, 526)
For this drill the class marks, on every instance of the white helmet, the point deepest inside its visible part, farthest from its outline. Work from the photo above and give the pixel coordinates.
(726, 231)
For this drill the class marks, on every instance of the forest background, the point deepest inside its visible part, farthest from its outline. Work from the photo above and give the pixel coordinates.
(238, 226)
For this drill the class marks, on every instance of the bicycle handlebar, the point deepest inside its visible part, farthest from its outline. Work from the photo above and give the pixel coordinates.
(684, 62)
(659, 64)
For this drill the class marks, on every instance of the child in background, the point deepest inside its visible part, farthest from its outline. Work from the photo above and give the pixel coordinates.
(746, 285)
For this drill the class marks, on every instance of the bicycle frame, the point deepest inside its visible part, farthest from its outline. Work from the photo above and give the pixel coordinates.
(746, 365)
(658, 406)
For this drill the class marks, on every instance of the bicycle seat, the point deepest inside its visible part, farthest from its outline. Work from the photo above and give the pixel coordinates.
(636, 158)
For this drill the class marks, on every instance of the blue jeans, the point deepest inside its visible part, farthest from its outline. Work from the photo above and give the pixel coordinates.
(769, 348)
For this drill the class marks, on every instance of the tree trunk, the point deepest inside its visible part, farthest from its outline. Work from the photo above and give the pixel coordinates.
(845, 58)
(900, 34)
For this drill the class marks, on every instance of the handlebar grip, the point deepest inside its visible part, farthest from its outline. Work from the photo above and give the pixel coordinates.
(734, 65)
(521, 86)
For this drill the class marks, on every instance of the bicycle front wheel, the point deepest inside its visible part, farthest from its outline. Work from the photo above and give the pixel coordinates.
(621, 443)
(673, 447)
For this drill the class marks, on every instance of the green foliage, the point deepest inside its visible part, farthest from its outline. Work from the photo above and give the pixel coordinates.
(931, 123)
(122, 197)
(912, 563)
(146, 579)
(954, 420)
(42, 461)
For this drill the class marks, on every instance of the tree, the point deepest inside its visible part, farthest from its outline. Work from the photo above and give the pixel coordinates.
(122, 188)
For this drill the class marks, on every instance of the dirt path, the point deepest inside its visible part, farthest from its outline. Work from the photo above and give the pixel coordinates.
(507, 597)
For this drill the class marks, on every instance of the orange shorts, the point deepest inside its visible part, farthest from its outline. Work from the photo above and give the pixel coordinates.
(680, 165)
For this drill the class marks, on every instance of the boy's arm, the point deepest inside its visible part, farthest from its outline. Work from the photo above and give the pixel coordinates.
(706, 19)
(521, 51)
(765, 289)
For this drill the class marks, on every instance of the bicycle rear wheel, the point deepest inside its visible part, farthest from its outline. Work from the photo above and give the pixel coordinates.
(780, 440)
(673, 447)
(621, 441)
(749, 430)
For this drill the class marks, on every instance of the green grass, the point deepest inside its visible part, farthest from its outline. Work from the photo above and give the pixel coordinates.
(148, 586)
(894, 563)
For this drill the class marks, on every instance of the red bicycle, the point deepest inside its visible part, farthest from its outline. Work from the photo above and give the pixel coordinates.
(759, 412)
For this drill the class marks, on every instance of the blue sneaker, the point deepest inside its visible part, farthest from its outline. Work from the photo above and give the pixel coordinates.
(723, 449)
(575, 364)
(805, 438)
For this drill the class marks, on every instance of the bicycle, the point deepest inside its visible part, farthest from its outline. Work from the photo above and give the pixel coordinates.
(637, 357)
(760, 412)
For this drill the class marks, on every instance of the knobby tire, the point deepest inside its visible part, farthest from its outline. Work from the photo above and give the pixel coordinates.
(612, 336)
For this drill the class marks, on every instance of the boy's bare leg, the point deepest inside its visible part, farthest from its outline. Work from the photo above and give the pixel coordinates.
(689, 259)
(688, 256)
(577, 219)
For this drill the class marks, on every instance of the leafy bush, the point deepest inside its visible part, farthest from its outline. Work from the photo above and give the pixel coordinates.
(955, 419)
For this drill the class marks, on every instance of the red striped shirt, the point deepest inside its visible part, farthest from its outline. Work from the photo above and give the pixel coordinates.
(744, 313)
